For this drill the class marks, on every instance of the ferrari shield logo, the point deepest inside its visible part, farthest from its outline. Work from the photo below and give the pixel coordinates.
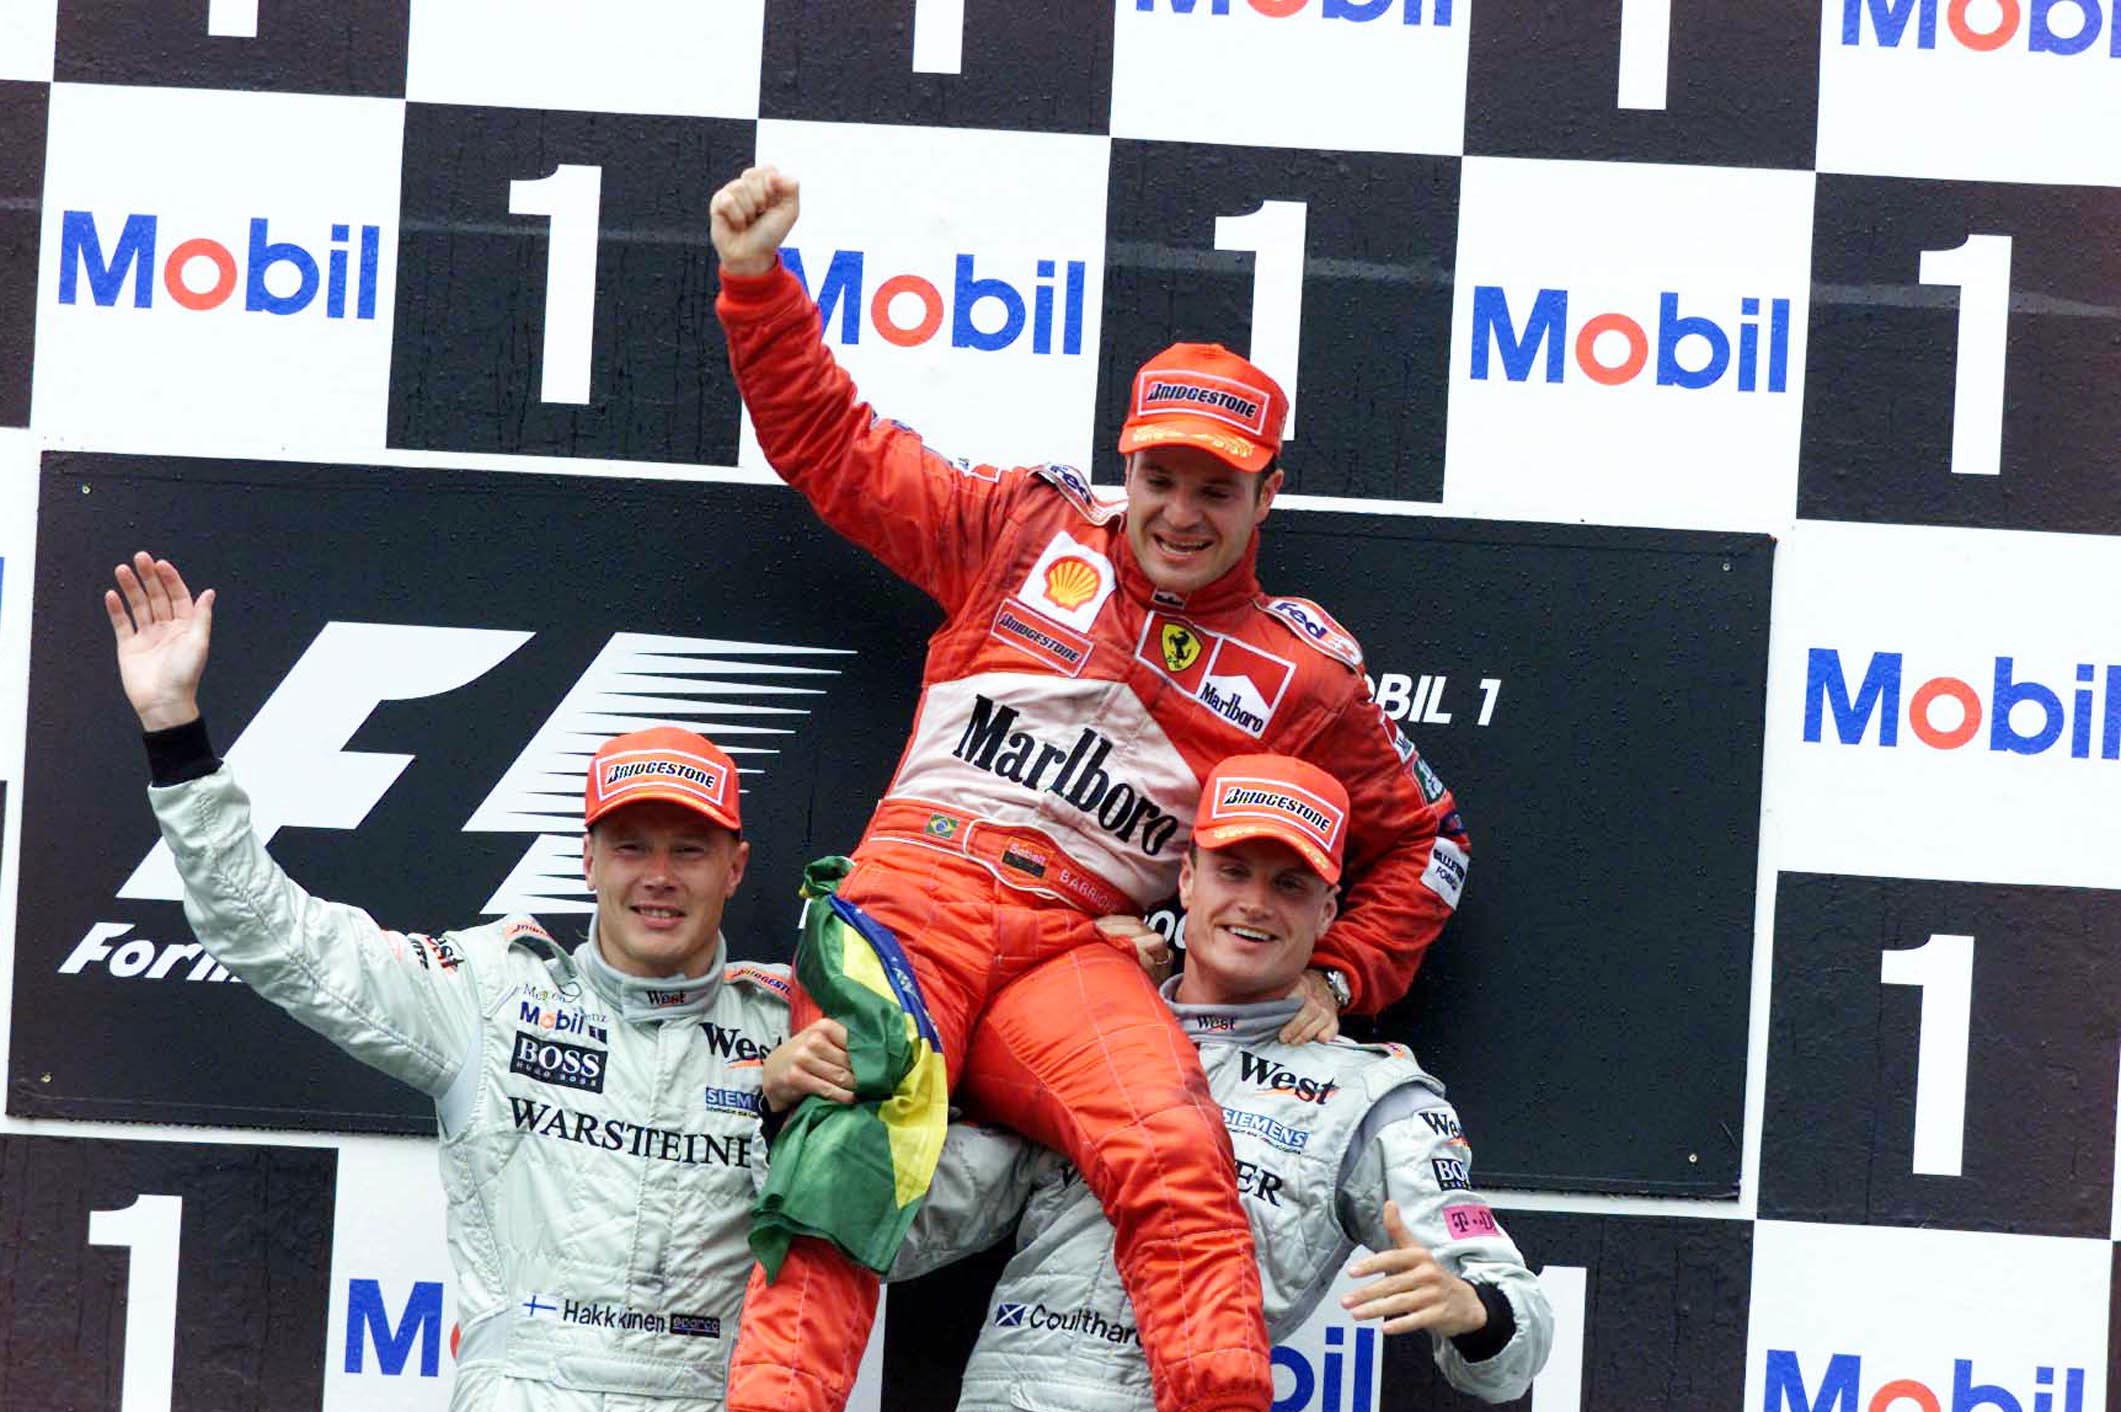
(1181, 646)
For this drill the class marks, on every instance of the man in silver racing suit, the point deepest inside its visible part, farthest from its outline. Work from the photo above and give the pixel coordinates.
(1338, 1144)
(599, 1109)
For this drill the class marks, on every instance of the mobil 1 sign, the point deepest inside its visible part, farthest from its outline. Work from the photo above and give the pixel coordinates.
(1586, 693)
(407, 666)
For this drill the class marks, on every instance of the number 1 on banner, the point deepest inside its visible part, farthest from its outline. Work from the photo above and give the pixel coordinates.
(571, 199)
(150, 1228)
(1982, 269)
(1274, 236)
(1645, 53)
(1943, 967)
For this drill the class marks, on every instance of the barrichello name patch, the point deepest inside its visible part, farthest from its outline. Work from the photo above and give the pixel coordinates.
(631, 1139)
(1202, 395)
(1239, 797)
(1074, 772)
(1063, 649)
(551, 1061)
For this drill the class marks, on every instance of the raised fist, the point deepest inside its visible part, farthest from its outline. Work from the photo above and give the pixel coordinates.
(751, 218)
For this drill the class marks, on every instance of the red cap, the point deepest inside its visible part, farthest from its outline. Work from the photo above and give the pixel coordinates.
(1202, 394)
(1278, 797)
(662, 762)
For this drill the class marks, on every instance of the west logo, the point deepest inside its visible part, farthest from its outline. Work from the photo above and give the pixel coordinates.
(82, 252)
(1542, 339)
(1280, 1078)
(1878, 697)
(552, 1062)
(840, 290)
(991, 742)
(633, 1139)
(735, 1044)
(1888, 22)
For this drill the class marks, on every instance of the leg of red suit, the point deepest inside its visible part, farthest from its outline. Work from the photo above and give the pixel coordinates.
(801, 1338)
(1081, 1054)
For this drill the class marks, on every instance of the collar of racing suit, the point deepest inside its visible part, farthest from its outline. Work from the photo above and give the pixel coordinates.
(1234, 589)
(641, 999)
(1234, 1024)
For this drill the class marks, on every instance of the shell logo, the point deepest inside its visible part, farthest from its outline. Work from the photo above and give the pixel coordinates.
(1070, 582)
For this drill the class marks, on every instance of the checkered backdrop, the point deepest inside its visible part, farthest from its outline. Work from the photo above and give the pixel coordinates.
(1704, 414)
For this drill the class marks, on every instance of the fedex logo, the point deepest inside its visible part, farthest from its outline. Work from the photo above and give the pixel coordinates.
(1693, 350)
(908, 310)
(1841, 1384)
(2049, 26)
(199, 273)
(1877, 697)
(1411, 12)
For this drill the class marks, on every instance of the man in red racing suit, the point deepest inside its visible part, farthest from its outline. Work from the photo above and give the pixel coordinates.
(1098, 658)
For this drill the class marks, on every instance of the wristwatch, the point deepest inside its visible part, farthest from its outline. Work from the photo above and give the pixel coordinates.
(1338, 984)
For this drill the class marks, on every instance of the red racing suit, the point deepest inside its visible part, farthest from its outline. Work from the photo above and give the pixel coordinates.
(1068, 715)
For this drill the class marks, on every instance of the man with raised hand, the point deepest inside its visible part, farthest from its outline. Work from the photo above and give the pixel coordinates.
(599, 1109)
(1096, 659)
(1338, 1145)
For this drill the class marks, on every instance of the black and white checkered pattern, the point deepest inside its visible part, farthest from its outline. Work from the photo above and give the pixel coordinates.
(1844, 273)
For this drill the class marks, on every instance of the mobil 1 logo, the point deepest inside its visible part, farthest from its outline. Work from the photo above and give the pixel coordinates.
(1963, 344)
(1941, 1054)
(355, 48)
(24, 110)
(938, 63)
(1330, 270)
(556, 285)
(1680, 81)
(191, 1276)
(1650, 1314)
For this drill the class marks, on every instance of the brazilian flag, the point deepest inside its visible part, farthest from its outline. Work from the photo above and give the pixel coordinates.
(855, 1173)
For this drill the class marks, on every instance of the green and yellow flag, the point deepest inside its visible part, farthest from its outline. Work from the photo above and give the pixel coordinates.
(855, 1173)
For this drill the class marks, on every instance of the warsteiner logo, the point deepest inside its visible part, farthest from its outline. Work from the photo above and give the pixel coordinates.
(991, 742)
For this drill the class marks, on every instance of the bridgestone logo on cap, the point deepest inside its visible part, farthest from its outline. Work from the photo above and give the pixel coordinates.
(663, 771)
(1317, 819)
(1202, 395)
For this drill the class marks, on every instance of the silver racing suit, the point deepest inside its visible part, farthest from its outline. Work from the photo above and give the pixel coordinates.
(1324, 1135)
(600, 1133)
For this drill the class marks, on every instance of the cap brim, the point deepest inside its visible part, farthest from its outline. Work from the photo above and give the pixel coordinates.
(670, 796)
(1223, 835)
(1210, 436)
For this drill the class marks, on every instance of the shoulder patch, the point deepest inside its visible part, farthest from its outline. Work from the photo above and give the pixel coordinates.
(1316, 626)
(523, 926)
(770, 978)
(1076, 489)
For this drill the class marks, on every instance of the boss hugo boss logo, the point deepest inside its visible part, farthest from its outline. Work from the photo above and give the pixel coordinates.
(552, 1061)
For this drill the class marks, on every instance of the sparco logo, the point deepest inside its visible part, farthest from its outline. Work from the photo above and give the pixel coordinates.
(1280, 1078)
(992, 742)
(1077, 1321)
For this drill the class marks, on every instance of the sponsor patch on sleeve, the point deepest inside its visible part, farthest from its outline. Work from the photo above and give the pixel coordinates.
(1446, 874)
(1465, 1222)
(1451, 1174)
(1063, 649)
(1316, 626)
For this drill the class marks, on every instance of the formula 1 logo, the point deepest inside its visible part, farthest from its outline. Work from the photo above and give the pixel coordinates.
(293, 761)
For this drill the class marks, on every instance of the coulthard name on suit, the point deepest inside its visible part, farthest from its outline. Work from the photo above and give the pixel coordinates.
(635, 1139)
